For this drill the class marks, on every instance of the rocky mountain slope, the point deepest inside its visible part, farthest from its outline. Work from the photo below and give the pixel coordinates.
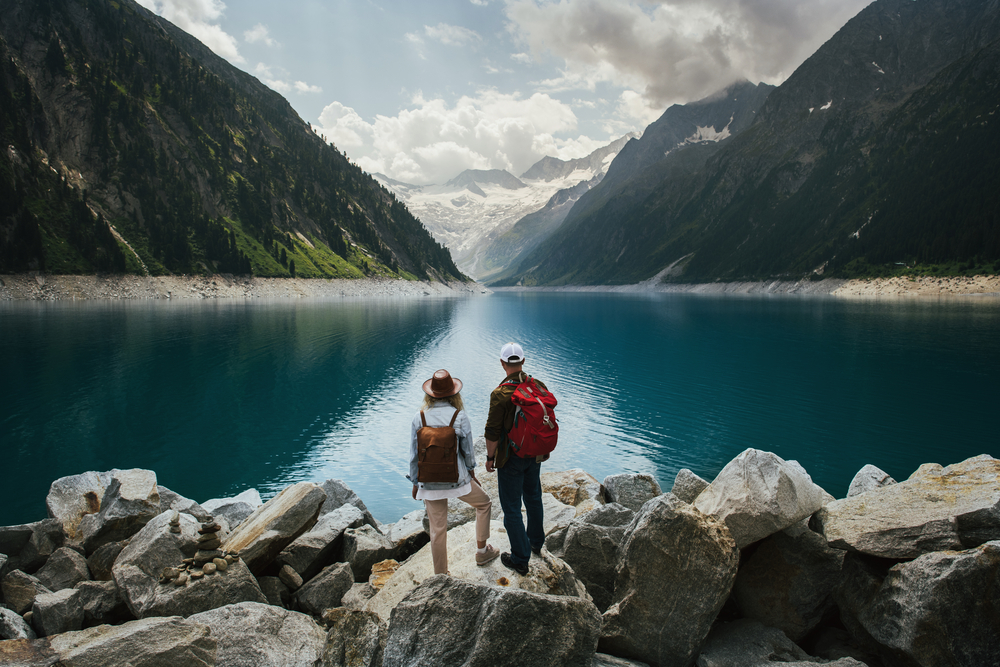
(880, 151)
(472, 212)
(129, 146)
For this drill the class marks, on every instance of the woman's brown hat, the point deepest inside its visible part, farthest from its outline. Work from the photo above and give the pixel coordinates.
(442, 385)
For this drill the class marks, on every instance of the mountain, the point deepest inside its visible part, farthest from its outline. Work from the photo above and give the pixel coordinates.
(130, 146)
(880, 150)
(472, 211)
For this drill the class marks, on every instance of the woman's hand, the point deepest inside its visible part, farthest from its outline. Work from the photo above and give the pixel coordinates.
(414, 491)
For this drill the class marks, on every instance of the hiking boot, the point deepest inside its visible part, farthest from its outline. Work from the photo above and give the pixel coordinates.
(487, 556)
(536, 550)
(506, 560)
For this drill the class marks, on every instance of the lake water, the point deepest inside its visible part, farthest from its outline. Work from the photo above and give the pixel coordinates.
(218, 396)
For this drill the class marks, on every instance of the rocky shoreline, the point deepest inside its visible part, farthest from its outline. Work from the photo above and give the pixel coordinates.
(758, 567)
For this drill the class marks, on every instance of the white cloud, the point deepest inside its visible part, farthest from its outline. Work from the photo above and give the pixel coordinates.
(479, 3)
(259, 33)
(451, 35)
(432, 141)
(199, 18)
(278, 81)
(522, 58)
(674, 50)
(303, 87)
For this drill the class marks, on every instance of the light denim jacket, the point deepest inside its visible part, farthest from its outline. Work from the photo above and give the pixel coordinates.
(440, 414)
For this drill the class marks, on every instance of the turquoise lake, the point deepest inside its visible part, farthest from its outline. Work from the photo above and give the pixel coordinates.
(219, 396)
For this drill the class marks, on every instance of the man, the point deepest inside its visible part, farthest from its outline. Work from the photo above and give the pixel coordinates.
(517, 477)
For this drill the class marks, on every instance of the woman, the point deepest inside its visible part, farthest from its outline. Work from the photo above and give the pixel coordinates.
(439, 408)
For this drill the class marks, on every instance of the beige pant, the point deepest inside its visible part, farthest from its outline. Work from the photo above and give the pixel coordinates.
(437, 515)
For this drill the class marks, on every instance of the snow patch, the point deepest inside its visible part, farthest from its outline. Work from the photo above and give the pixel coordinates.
(877, 67)
(827, 105)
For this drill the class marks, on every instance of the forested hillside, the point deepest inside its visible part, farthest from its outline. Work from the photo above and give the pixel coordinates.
(130, 147)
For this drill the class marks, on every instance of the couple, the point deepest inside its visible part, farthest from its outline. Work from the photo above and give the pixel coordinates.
(516, 477)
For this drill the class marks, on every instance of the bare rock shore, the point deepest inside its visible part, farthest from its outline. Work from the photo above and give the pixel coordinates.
(39, 287)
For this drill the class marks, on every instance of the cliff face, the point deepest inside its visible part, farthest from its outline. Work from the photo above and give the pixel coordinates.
(844, 170)
(112, 115)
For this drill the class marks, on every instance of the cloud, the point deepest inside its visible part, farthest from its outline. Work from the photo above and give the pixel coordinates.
(433, 141)
(674, 50)
(278, 81)
(199, 18)
(451, 35)
(259, 33)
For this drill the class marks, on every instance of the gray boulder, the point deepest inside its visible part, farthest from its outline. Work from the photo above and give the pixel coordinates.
(325, 590)
(234, 510)
(675, 570)
(759, 493)
(170, 500)
(29, 545)
(575, 487)
(357, 598)
(788, 581)
(631, 489)
(103, 559)
(153, 642)
(275, 591)
(339, 494)
(102, 603)
(937, 609)
(590, 545)
(130, 501)
(74, 497)
(746, 643)
(65, 568)
(250, 633)
(355, 639)
(13, 626)
(20, 591)
(936, 509)
(290, 578)
(688, 485)
(407, 535)
(605, 660)
(869, 478)
(276, 524)
(55, 613)
(313, 550)
(363, 547)
(447, 621)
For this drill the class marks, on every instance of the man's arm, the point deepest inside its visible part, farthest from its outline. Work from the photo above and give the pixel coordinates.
(491, 453)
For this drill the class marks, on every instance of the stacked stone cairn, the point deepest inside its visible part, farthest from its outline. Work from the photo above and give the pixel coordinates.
(209, 559)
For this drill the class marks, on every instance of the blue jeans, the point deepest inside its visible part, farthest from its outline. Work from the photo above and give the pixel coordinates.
(520, 477)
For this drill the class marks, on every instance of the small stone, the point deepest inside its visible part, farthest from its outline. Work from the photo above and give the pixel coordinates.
(175, 529)
(221, 564)
(230, 558)
(181, 579)
(169, 574)
(208, 568)
(209, 528)
(206, 556)
(188, 561)
(197, 574)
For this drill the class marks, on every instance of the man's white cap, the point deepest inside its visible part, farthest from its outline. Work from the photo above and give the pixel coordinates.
(511, 353)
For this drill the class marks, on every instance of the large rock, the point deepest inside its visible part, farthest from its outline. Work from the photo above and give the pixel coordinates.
(788, 581)
(29, 545)
(276, 524)
(65, 568)
(20, 591)
(153, 642)
(74, 497)
(759, 493)
(590, 546)
(447, 621)
(102, 603)
(139, 567)
(869, 478)
(746, 643)
(936, 509)
(234, 510)
(687, 485)
(315, 549)
(547, 574)
(325, 590)
(605, 660)
(575, 488)
(130, 501)
(631, 489)
(363, 547)
(169, 500)
(251, 633)
(55, 613)
(13, 626)
(339, 494)
(356, 638)
(938, 610)
(103, 559)
(408, 534)
(675, 570)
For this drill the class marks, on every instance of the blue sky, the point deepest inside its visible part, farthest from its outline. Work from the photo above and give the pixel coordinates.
(420, 91)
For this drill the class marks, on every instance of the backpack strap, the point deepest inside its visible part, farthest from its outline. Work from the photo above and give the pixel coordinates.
(423, 419)
(453, 418)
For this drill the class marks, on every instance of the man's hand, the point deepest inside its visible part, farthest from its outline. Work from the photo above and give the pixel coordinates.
(489, 465)
(414, 491)
(491, 453)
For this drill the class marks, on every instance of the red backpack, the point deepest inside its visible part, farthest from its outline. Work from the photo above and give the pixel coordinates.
(535, 429)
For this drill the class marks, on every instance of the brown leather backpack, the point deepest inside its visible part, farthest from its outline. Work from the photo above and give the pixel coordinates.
(437, 452)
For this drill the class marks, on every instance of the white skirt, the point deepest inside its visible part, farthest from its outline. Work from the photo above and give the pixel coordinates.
(441, 494)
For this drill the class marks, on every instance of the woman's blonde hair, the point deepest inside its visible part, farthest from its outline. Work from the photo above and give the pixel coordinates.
(455, 401)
